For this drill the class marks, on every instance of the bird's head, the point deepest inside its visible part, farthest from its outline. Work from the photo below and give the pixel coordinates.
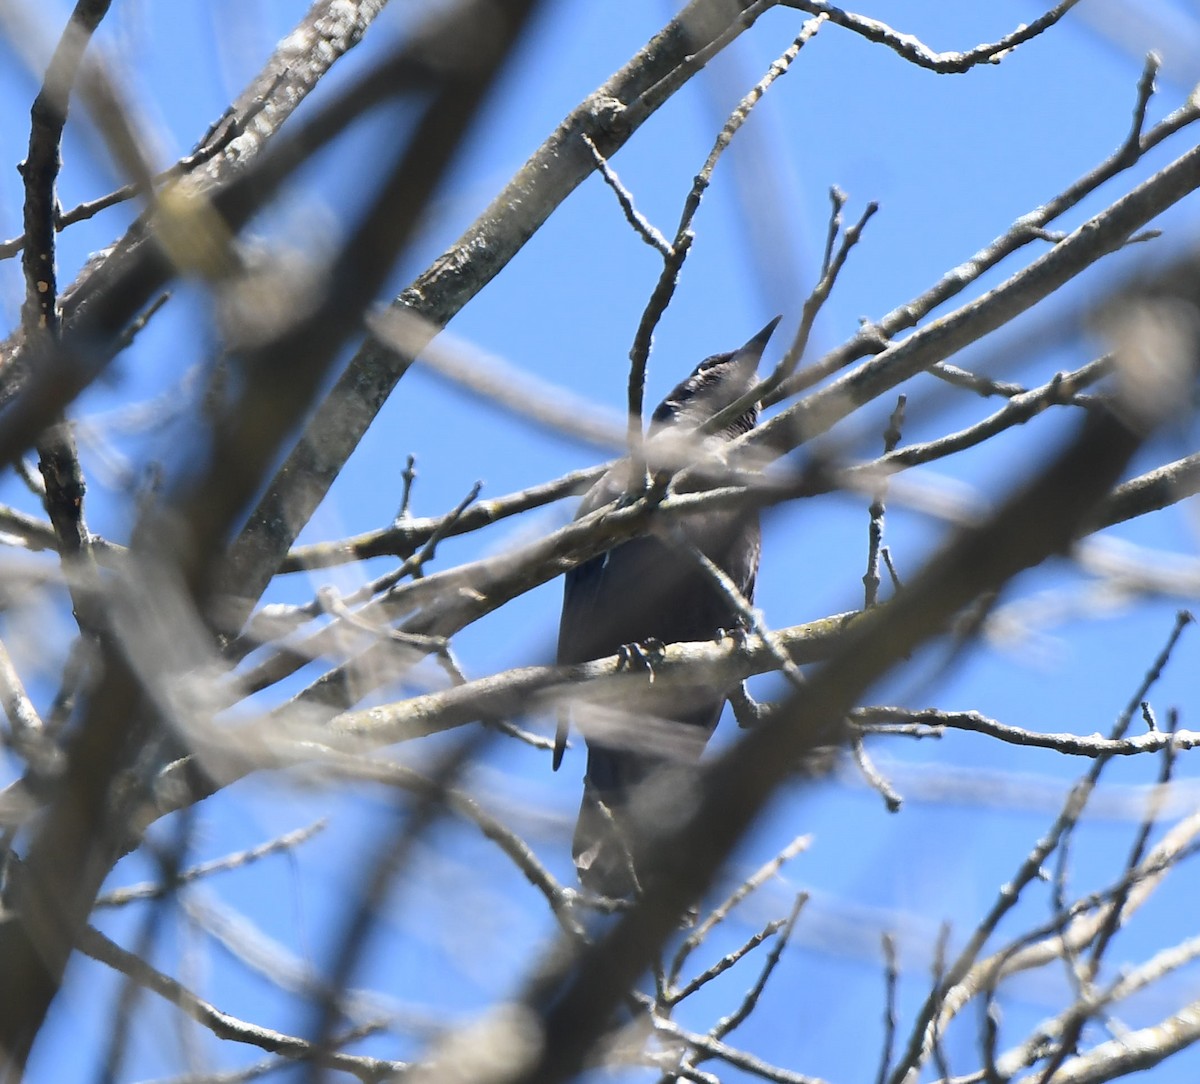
(714, 384)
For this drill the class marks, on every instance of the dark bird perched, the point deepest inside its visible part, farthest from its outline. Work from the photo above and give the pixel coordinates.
(648, 589)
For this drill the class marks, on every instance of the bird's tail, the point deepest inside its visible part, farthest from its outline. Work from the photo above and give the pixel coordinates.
(628, 798)
(605, 837)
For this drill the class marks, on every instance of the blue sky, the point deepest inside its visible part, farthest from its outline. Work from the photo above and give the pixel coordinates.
(952, 160)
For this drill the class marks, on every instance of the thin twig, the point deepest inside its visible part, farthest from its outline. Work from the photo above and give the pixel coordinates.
(939, 974)
(151, 890)
(719, 913)
(673, 261)
(736, 1018)
(891, 977)
(915, 51)
(402, 538)
(1130, 982)
(886, 720)
(291, 656)
(877, 511)
(228, 128)
(931, 1012)
(837, 200)
(816, 300)
(874, 777)
(710, 1047)
(222, 1025)
(408, 476)
(874, 337)
(1073, 1028)
(725, 962)
(1145, 91)
(642, 226)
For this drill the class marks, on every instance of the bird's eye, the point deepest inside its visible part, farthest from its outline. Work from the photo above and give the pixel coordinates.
(711, 363)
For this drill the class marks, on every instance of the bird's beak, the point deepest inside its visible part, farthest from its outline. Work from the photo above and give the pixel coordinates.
(755, 347)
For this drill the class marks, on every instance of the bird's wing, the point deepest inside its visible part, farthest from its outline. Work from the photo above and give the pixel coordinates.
(582, 587)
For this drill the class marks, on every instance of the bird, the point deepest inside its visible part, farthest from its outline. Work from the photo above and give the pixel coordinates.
(647, 592)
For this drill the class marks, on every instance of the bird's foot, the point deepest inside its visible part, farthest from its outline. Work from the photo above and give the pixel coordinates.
(739, 634)
(641, 656)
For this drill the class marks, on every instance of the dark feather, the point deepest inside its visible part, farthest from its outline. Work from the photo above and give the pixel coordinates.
(649, 588)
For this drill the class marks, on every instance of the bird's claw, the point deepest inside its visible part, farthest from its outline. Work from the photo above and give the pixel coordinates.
(641, 656)
(739, 633)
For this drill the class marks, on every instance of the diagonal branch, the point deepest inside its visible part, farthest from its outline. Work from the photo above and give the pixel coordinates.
(85, 826)
(608, 117)
(58, 459)
(1102, 234)
(917, 52)
(572, 1002)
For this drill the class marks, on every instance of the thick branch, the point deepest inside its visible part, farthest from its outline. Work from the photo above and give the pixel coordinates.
(608, 118)
(572, 1003)
(1100, 235)
(84, 829)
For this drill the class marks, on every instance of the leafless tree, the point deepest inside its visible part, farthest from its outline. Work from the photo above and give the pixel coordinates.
(186, 663)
